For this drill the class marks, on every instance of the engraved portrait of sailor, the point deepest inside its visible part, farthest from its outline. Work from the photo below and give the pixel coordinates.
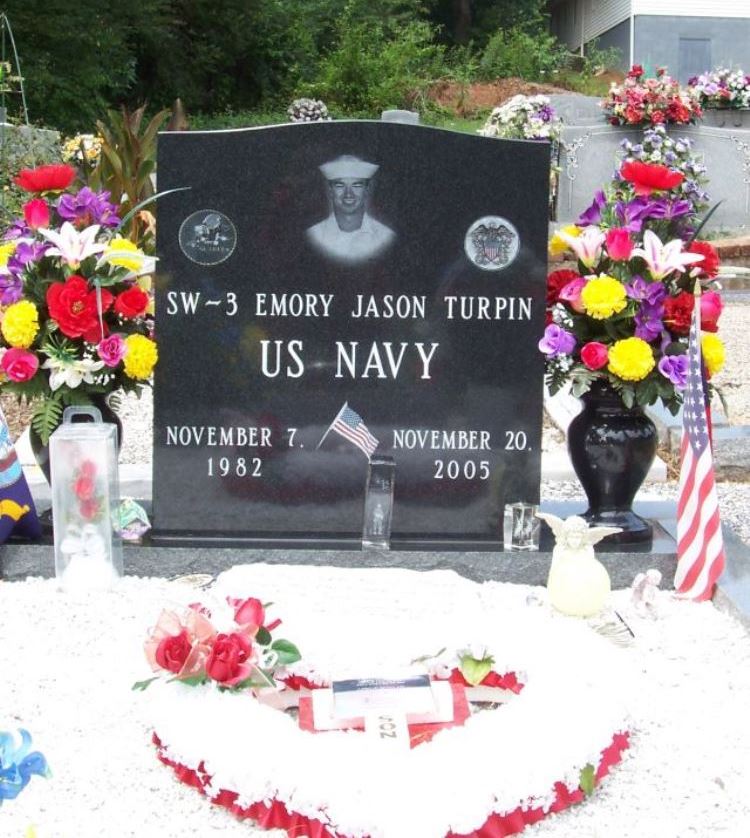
(350, 234)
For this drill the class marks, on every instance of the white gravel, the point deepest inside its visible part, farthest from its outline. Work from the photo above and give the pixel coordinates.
(68, 663)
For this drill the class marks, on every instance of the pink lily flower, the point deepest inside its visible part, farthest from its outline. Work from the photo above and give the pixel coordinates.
(71, 245)
(664, 259)
(587, 247)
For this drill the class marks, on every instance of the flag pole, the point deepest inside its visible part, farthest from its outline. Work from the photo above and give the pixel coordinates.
(328, 429)
(704, 378)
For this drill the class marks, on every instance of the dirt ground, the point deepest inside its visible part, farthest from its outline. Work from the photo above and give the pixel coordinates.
(469, 99)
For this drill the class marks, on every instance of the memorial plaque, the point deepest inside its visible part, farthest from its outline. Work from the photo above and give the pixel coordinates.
(331, 292)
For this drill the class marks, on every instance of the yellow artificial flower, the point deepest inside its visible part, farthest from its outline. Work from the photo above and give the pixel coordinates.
(20, 324)
(603, 296)
(6, 251)
(140, 356)
(712, 348)
(118, 253)
(631, 359)
(557, 245)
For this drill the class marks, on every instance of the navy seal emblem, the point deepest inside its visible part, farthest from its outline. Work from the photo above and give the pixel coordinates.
(491, 243)
(207, 237)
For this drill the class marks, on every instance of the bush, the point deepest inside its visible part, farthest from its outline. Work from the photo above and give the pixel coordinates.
(372, 68)
(516, 52)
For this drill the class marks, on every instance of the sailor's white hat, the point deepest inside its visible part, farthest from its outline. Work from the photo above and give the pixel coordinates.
(348, 166)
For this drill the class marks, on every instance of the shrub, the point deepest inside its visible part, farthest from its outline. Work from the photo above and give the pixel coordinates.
(517, 52)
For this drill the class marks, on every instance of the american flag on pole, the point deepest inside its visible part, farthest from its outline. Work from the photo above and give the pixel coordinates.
(350, 425)
(700, 547)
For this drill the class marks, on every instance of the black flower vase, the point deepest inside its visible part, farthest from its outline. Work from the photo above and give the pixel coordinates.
(611, 448)
(41, 451)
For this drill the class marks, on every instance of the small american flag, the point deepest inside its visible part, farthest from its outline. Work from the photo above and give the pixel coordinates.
(700, 547)
(350, 425)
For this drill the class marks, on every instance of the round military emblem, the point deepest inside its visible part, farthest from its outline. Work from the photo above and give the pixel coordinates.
(207, 237)
(491, 243)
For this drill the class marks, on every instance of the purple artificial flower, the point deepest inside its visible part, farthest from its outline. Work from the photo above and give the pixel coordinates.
(18, 229)
(546, 113)
(11, 288)
(593, 215)
(87, 207)
(648, 322)
(632, 213)
(668, 210)
(652, 293)
(556, 341)
(675, 368)
(25, 253)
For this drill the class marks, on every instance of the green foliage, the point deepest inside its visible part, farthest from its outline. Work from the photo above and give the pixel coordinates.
(534, 56)
(127, 161)
(376, 66)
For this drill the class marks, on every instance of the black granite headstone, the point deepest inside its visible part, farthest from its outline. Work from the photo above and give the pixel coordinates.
(327, 290)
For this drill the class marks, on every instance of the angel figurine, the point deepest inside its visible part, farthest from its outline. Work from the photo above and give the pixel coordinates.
(645, 592)
(578, 584)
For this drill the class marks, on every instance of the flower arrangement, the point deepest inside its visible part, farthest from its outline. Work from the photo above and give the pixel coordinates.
(650, 101)
(524, 118)
(82, 149)
(722, 88)
(623, 317)
(308, 110)
(241, 656)
(76, 311)
(677, 154)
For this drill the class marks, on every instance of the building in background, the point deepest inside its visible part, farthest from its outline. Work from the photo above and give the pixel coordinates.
(687, 36)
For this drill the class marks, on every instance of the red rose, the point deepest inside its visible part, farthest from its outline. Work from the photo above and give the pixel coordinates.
(619, 244)
(51, 178)
(84, 488)
(227, 661)
(649, 177)
(131, 303)
(36, 213)
(556, 281)
(711, 308)
(635, 72)
(173, 651)
(709, 267)
(678, 312)
(89, 509)
(72, 305)
(594, 355)
(248, 612)
(19, 364)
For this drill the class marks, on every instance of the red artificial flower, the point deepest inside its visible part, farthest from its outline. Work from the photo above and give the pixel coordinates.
(54, 177)
(227, 661)
(649, 177)
(678, 312)
(89, 509)
(619, 244)
(594, 355)
(633, 114)
(556, 281)
(131, 303)
(248, 612)
(36, 213)
(709, 267)
(173, 651)
(711, 308)
(84, 487)
(87, 469)
(657, 117)
(635, 72)
(72, 305)
(19, 364)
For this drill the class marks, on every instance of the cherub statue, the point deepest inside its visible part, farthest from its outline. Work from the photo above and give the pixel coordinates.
(578, 584)
(644, 591)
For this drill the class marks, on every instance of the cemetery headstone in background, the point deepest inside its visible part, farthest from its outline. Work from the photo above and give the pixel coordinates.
(423, 320)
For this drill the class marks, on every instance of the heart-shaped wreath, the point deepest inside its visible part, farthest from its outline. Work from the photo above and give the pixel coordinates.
(558, 726)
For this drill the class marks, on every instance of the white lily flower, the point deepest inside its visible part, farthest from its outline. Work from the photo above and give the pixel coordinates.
(664, 259)
(71, 245)
(72, 373)
(587, 247)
